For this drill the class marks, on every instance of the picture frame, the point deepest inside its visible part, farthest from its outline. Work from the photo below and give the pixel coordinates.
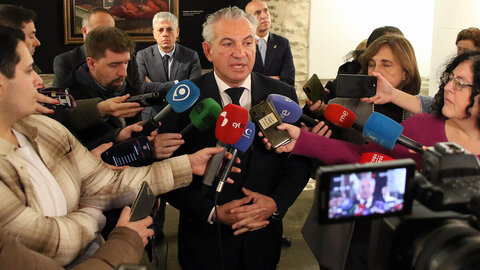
(132, 16)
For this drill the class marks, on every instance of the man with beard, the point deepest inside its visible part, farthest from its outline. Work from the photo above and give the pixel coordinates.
(103, 75)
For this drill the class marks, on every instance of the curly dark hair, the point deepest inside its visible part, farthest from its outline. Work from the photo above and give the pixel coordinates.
(473, 56)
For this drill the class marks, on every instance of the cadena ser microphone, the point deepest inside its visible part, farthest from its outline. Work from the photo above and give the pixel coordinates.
(386, 132)
(230, 126)
(180, 97)
(374, 157)
(241, 146)
(289, 110)
(203, 115)
(341, 116)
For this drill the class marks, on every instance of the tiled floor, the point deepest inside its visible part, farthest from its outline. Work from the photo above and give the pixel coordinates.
(297, 257)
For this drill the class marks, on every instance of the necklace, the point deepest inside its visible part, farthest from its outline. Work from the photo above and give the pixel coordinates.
(403, 111)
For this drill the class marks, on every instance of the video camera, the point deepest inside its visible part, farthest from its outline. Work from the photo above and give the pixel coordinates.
(420, 221)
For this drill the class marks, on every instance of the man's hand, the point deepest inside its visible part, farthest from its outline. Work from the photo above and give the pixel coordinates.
(226, 216)
(97, 152)
(126, 132)
(199, 160)
(41, 98)
(147, 79)
(255, 219)
(165, 144)
(140, 226)
(117, 107)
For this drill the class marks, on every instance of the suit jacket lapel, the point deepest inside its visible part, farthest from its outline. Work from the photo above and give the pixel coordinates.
(174, 67)
(210, 88)
(256, 90)
(270, 54)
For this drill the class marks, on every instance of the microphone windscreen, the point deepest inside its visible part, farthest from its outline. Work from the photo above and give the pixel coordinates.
(247, 138)
(373, 157)
(288, 109)
(204, 114)
(382, 130)
(339, 115)
(182, 95)
(231, 123)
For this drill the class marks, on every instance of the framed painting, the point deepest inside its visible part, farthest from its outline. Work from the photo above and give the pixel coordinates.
(132, 16)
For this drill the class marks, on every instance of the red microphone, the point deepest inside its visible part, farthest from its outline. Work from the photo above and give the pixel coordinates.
(341, 116)
(231, 124)
(374, 157)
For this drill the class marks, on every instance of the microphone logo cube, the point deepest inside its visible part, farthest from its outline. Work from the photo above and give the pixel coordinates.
(182, 95)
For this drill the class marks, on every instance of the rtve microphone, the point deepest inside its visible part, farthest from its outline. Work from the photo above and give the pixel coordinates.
(203, 115)
(386, 132)
(289, 110)
(180, 97)
(229, 129)
(374, 157)
(240, 146)
(341, 116)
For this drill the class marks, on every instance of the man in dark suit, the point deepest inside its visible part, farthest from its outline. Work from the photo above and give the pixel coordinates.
(65, 63)
(164, 64)
(250, 211)
(274, 56)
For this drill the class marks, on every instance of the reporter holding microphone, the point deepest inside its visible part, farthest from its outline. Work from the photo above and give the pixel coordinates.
(455, 119)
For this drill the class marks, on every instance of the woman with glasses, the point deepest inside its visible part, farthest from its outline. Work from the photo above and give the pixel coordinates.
(455, 118)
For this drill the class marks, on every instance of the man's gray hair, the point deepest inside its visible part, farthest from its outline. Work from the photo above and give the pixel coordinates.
(89, 14)
(226, 13)
(165, 16)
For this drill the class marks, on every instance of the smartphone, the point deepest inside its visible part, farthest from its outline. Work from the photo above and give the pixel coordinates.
(356, 86)
(65, 100)
(129, 152)
(364, 191)
(314, 89)
(143, 204)
(267, 118)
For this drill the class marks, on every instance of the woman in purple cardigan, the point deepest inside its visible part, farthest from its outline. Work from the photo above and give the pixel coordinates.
(455, 119)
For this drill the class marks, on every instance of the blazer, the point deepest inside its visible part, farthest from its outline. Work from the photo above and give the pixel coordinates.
(278, 60)
(185, 65)
(278, 176)
(83, 178)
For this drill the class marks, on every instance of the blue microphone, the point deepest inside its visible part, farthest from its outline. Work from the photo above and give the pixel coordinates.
(386, 132)
(241, 146)
(289, 110)
(180, 97)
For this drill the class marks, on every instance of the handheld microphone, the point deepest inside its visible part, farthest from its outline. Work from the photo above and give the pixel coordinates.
(374, 157)
(386, 132)
(289, 110)
(240, 146)
(341, 116)
(229, 129)
(203, 116)
(147, 100)
(180, 97)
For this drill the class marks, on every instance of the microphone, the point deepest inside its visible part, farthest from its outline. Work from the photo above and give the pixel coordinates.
(180, 97)
(230, 126)
(289, 110)
(341, 117)
(147, 100)
(379, 128)
(374, 157)
(386, 132)
(203, 116)
(240, 146)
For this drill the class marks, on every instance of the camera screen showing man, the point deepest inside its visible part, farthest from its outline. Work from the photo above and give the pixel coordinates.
(366, 193)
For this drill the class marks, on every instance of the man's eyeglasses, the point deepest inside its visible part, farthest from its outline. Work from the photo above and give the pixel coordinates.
(458, 85)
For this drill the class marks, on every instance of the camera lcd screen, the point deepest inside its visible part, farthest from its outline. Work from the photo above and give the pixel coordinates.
(370, 190)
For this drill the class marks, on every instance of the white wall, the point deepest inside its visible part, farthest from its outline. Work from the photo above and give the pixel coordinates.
(450, 18)
(337, 26)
